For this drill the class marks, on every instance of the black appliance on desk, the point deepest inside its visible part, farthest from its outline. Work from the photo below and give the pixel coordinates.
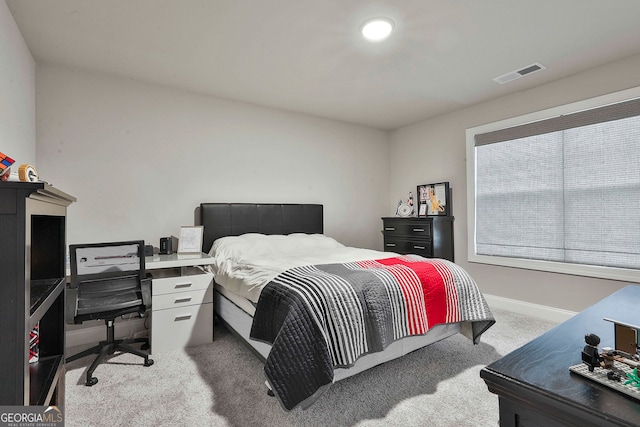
(168, 245)
(108, 280)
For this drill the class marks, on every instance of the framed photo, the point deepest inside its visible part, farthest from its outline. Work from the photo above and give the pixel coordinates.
(433, 199)
(190, 241)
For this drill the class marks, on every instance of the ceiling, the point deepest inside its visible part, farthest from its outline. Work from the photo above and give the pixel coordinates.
(308, 56)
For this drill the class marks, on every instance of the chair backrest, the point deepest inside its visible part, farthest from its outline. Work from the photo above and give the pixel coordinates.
(107, 279)
(99, 261)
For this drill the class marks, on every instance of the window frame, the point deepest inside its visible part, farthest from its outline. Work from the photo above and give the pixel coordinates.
(603, 272)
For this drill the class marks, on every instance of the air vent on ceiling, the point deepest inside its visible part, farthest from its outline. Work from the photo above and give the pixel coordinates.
(519, 73)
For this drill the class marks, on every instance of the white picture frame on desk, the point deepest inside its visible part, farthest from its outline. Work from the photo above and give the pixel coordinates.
(190, 241)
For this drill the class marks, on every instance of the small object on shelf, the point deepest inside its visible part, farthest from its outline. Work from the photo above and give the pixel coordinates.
(404, 210)
(34, 344)
(5, 175)
(626, 337)
(590, 355)
(614, 376)
(433, 199)
(27, 173)
(608, 355)
(148, 250)
(633, 378)
(190, 241)
(5, 165)
(168, 245)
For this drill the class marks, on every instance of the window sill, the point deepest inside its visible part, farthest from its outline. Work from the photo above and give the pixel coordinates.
(612, 273)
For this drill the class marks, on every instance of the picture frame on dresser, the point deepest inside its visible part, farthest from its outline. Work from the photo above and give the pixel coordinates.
(433, 199)
(190, 241)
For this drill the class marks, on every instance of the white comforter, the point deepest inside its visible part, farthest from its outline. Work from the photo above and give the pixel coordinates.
(245, 264)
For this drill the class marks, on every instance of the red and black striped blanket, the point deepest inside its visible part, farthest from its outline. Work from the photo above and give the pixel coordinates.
(319, 317)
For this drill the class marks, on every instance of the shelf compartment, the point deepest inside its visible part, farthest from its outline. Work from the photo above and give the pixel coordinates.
(43, 295)
(43, 379)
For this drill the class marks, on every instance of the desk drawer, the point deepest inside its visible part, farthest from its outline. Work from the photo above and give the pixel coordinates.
(168, 285)
(408, 228)
(184, 298)
(405, 246)
(175, 328)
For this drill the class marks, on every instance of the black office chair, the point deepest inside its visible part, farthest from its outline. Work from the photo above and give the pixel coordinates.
(108, 280)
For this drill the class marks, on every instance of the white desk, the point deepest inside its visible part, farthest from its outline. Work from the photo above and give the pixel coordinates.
(182, 301)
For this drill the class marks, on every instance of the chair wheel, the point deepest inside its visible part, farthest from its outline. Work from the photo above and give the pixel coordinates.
(148, 362)
(91, 381)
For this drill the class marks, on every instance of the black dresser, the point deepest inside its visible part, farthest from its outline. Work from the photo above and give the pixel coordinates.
(430, 237)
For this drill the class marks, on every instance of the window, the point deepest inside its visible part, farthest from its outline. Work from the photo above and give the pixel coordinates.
(559, 190)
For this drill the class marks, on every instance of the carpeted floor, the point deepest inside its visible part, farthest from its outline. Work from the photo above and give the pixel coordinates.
(221, 384)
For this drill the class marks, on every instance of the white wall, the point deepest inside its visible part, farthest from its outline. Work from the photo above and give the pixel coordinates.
(140, 158)
(439, 143)
(17, 94)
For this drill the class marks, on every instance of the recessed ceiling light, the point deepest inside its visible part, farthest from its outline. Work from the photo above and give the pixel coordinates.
(377, 29)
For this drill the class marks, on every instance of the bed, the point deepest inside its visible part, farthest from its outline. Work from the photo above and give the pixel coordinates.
(283, 302)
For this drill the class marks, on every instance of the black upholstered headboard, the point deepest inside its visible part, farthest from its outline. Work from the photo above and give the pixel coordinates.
(234, 219)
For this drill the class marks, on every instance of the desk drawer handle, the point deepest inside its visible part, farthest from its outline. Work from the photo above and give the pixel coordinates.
(180, 300)
(389, 229)
(391, 245)
(183, 285)
(185, 317)
(419, 230)
(419, 247)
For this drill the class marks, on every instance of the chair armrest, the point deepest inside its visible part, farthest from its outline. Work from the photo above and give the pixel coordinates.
(71, 303)
(145, 286)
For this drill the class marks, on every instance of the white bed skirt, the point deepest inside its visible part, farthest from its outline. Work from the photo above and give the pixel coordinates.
(240, 321)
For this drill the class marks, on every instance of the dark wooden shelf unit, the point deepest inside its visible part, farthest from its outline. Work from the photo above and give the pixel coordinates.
(32, 254)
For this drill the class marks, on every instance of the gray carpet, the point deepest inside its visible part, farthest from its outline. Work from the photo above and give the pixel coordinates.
(221, 384)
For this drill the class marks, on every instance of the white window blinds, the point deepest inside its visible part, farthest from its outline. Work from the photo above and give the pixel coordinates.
(564, 189)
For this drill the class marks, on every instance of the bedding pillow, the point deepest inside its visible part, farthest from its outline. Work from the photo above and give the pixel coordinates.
(244, 264)
(252, 245)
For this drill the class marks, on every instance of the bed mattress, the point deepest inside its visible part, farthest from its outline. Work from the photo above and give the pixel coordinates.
(231, 309)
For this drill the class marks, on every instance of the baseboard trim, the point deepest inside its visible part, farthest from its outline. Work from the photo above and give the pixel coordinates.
(541, 311)
(131, 328)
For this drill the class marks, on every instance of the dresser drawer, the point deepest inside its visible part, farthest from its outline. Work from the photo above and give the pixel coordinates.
(408, 228)
(184, 298)
(406, 246)
(175, 328)
(190, 282)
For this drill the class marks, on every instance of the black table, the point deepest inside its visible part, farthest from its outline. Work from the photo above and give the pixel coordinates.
(536, 388)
